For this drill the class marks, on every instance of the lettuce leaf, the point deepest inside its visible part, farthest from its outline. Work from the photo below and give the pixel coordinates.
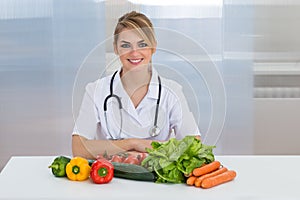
(172, 159)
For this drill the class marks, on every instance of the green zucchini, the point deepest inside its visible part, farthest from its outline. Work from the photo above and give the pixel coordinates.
(133, 172)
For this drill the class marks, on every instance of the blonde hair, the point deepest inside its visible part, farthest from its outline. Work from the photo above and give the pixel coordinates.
(140, 23)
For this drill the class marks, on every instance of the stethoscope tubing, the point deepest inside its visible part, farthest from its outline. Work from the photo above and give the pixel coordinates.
(112, 95)
(158, 101)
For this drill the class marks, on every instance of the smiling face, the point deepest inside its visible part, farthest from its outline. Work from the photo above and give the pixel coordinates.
(134, 52)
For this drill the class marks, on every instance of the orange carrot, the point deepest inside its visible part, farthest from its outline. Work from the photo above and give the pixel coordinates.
(218, 179)
(206, 168)
(191, 180)
(199, 180)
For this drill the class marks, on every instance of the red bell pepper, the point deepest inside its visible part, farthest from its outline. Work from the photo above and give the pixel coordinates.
(102, 171)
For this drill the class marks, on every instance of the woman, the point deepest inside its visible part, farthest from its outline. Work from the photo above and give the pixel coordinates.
(126, 111)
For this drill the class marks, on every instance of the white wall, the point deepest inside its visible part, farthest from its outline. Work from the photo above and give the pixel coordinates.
(40, 55)
(276, 126)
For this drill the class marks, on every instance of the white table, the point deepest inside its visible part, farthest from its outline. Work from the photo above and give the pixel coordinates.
(258, 178)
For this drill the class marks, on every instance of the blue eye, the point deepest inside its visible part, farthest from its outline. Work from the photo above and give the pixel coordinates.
(125, 46)
(143, 44)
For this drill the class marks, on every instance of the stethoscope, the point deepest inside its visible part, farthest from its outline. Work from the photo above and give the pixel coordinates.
(154, 130)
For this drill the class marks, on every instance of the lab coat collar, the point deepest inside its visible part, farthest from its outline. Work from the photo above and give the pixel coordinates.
(153, 86)
(125, 99)
(118, 87)
(119, 90)
(152, 91)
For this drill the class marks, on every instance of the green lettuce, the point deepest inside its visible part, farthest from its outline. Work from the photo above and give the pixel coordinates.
(173, 159)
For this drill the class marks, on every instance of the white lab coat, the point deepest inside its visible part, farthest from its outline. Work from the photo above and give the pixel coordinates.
(174, 115)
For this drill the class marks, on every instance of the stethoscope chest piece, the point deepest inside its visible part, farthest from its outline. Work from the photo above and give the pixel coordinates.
(154, 131)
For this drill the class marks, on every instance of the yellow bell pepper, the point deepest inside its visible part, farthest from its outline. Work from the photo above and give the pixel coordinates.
(78, 169)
